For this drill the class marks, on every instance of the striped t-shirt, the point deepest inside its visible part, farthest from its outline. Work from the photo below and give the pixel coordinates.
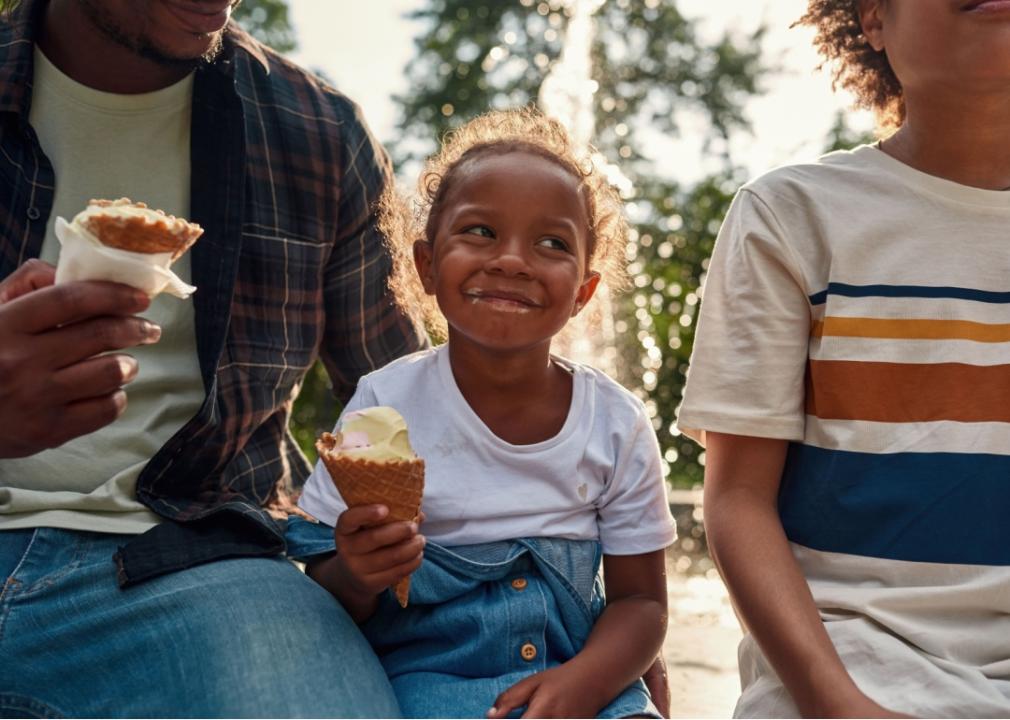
(861, 309)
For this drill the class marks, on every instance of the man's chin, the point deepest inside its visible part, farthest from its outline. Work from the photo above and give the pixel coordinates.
(150, 51)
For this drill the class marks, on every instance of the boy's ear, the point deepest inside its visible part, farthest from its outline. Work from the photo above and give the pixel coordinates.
(423, 256)
(586, 291)
(871, 17)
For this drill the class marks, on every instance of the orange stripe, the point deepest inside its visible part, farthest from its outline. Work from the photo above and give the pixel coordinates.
(911, 329)
(907, 392)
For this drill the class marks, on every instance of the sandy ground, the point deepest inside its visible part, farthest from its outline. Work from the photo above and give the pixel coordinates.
(701, 641)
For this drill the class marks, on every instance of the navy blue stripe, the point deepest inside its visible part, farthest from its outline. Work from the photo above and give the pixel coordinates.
(924, 507)
(908, 291)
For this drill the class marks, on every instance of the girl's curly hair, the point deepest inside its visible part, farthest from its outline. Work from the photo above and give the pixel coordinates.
(527, 130)
(858, 68)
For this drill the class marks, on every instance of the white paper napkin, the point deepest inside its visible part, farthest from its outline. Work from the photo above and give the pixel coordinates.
(83, 257)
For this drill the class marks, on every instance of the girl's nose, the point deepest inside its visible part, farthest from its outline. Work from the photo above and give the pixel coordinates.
(510, 260)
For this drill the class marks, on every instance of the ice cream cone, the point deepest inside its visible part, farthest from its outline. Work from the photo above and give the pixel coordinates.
(126, 225)
(397, 484)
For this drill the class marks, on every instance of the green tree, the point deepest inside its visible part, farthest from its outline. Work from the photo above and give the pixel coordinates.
(267, 21)
(651, 67)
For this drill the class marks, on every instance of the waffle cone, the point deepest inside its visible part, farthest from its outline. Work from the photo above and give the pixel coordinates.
(154, 233)
(397, 484)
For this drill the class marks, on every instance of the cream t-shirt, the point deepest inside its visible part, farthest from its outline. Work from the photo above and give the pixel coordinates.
(860, 309)
(104, 145)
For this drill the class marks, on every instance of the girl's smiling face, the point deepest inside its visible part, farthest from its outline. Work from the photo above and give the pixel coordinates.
(508, 264)
(961, 45)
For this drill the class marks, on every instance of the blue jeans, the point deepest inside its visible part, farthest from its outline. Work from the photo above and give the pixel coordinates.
(232, 638)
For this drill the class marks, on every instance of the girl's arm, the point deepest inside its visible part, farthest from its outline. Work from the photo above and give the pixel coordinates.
(749, 546)
(623, 644)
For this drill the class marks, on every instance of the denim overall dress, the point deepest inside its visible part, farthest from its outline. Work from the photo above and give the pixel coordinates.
(483, 617)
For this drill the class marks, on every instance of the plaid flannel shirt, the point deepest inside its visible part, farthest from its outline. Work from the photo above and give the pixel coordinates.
(290, 267)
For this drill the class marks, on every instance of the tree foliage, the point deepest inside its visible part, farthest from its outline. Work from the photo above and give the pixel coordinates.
(267, 21)
(650, 68)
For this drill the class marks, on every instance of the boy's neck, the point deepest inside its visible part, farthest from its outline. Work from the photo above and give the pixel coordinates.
(523, 398)
(962, 142)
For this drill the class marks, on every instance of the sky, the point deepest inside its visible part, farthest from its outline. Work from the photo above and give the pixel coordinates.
(365, 46)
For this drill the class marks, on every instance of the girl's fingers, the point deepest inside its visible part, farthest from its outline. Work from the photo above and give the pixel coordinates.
(516, 696)
(371, 539)
(357, 518)
(388, 578)
(391, 556)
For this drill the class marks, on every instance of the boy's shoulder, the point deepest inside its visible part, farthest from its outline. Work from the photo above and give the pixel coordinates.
(829, 175)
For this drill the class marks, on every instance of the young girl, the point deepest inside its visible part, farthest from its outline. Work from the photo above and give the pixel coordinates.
(535, 465)
(851, 379)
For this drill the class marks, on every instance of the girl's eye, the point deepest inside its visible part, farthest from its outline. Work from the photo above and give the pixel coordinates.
(482, 230)
(553, 243)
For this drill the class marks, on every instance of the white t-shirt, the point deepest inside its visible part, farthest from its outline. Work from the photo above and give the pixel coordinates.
(599, 478)
(861, 309)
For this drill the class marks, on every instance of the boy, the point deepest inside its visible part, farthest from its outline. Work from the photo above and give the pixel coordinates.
(849, 379)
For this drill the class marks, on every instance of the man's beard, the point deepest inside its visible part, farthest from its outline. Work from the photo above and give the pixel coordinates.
(141, 45)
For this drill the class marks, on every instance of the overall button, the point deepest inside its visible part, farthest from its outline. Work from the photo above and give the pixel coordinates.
(528, 651)
(519, 584)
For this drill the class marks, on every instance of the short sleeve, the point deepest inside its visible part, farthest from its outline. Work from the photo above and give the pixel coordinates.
(748, 365)
(634, 513)
(320, 498)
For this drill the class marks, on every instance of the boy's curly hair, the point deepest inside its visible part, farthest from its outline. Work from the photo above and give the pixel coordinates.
(525, 130)
(858, 68)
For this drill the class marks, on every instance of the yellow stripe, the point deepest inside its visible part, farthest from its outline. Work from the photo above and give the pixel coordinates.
(911, 329)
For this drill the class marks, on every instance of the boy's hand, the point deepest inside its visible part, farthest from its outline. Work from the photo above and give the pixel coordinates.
(561, 692)
(372, 554)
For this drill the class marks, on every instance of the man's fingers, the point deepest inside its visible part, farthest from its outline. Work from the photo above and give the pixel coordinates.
(516, 696)
(86, 416)
(33, 275)
(72, 343)
(50, 307)
(95, 377)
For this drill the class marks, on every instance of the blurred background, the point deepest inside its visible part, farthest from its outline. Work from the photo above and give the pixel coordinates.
(685, 100)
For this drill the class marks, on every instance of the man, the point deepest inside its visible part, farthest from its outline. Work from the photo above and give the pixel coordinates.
(197, 613)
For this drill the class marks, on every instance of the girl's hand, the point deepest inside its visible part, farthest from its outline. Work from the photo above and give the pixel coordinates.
(372, 554)
(561, 692)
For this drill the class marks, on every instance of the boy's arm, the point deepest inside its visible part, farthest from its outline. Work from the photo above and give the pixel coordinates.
(623, 644)
(749, 546)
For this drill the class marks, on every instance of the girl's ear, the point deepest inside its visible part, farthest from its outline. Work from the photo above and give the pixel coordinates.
(423, 263)
(871, 17)
(585, 293)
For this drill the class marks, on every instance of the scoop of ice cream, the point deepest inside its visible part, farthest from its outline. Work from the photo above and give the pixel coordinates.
(375, 433)
(125, 242)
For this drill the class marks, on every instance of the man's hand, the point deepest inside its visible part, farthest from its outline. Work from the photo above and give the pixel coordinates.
(55, 382)
(658, 682)
(371, 556)
(560, 692)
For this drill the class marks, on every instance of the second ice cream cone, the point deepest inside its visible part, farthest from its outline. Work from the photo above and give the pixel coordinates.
(397, 484)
